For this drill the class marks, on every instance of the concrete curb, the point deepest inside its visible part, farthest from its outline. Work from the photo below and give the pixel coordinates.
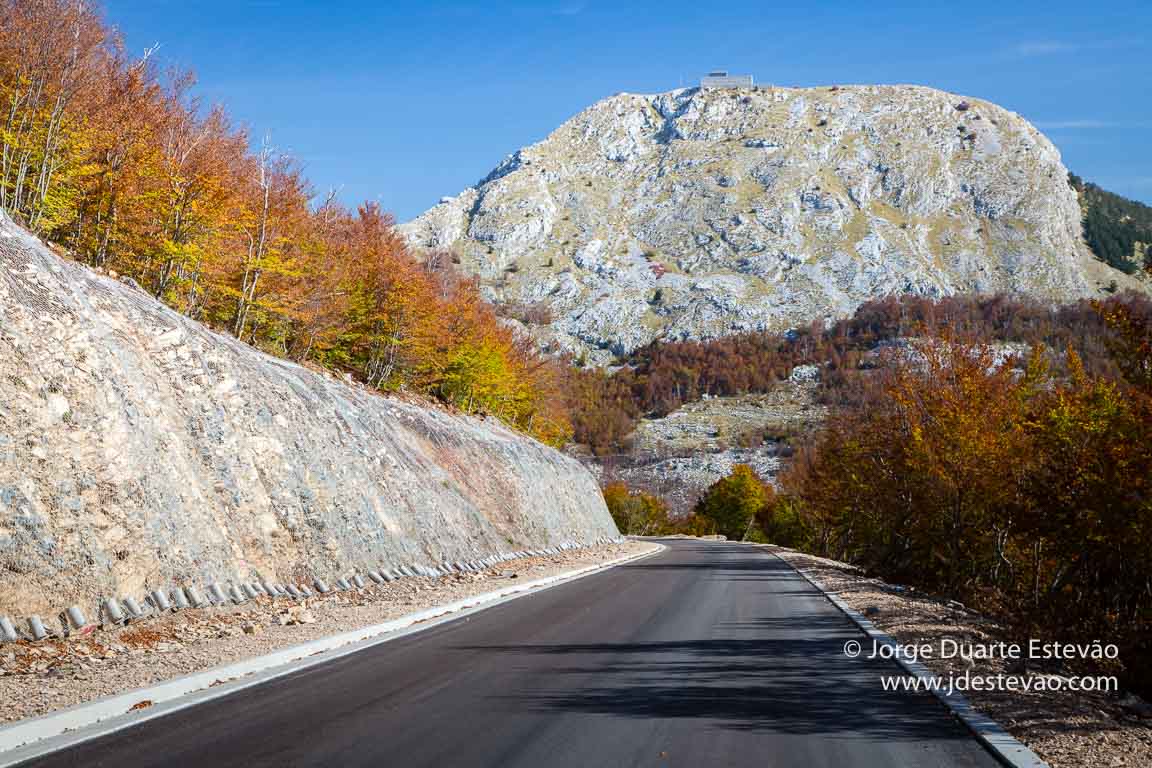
(1003, 746)
(28, 739)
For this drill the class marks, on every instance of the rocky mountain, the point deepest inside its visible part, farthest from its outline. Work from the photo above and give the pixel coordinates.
(699, 213)
(679, 455)
(139, 449)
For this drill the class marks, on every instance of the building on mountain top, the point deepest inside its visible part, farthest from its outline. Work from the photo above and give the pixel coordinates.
(721, 79)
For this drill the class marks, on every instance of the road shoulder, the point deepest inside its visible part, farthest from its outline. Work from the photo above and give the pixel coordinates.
(125, 708)
(1068, 730)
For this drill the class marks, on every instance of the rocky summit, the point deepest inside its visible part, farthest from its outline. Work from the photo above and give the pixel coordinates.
(699, 213)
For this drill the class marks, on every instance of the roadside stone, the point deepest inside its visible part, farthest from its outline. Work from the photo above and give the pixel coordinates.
(132, 656)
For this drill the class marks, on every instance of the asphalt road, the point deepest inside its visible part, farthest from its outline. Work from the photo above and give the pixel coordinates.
(709, 654)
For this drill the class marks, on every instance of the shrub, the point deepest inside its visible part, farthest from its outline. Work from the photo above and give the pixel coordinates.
(636, 513)
(733, 502)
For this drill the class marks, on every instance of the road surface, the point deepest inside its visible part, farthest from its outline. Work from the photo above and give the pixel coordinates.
(709, 654)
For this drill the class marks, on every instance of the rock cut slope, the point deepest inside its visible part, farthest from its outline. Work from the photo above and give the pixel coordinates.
(700, 213)
(138, 449)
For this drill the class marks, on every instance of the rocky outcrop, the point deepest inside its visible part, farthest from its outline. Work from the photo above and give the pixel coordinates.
(677, 456)
(700, 213)
(138, 449)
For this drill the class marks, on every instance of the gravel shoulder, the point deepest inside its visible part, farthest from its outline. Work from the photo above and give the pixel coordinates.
(1067, 729)
(38, 678)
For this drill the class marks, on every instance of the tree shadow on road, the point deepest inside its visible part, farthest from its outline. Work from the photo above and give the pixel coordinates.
(731, 562)
(783, 684)
(784, 674)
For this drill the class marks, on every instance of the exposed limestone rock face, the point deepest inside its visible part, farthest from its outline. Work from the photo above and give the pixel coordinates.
(696, 214)
(139, 449)
(679, 455)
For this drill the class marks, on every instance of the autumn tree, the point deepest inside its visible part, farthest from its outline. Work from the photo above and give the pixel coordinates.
(1020, 485)
(120, 164)
(52, 56)
(734, 501)
(636, 513)
(781, 521)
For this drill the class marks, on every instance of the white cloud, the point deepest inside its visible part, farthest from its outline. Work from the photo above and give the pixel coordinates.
(1058, 124)
(1053, 125)
(1044, 48)
(1031, 48)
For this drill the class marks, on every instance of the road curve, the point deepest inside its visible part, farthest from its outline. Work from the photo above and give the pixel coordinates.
(708, 654)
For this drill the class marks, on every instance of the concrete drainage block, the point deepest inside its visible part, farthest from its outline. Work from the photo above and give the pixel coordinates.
(179, 599)
(216, 594)
(159, 601)
(75, 617)
(7, 630)
(36, 628)
(194, 597)
(110, 610)
(133, 607)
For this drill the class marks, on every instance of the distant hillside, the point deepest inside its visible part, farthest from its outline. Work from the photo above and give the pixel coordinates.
(659, 379)
(1118, 230)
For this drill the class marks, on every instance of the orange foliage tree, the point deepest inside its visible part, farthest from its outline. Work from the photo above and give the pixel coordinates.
(999, 482)
(118, 163)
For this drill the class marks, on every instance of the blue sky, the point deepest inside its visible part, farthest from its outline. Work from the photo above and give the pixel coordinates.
(406, 102)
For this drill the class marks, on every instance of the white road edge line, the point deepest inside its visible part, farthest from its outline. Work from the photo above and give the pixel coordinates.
(1003, 745)
(36, 737)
